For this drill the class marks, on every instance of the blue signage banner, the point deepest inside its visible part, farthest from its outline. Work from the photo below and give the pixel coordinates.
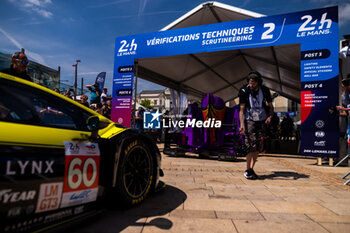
(100, 79)
(316, 31)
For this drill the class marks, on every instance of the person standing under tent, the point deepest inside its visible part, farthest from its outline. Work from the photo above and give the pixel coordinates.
(253, 116)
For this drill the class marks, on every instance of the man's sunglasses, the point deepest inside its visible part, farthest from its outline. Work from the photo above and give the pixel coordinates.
(24, 62)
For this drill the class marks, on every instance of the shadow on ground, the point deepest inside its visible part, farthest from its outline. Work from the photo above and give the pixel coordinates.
(283, 176)
(287, 156)
(114, 219)
(206, 157)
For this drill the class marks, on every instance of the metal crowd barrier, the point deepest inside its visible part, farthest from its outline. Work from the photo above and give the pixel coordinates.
(346, 157)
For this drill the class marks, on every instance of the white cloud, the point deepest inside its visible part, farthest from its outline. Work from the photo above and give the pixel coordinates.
(245, 3)
(38, 6)
(34, 2)
(108, 4)
(89, 73)
(142, 6)
(344, 14)
(42, 12)
(30, 54)
(145, 14)
(15, 42)
(36, 57)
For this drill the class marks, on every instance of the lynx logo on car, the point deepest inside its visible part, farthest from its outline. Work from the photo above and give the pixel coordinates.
(29, 167)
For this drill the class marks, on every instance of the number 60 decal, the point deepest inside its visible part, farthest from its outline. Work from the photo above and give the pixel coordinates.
(81, 172)
(78, 173)
(81, 166)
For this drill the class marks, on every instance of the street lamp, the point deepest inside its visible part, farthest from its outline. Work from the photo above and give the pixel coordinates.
(75, 78)
(82, 86)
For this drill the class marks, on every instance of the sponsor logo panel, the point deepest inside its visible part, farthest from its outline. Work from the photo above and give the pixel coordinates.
(320, 143)
(320, 134)
(10, 196)
(49, 197)
(319, 124)
(79, 197)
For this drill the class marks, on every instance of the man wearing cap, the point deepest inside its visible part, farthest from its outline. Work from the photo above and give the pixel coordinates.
(18, 66)
(254, 115)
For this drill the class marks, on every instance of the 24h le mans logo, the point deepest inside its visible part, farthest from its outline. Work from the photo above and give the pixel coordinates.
(151, 120)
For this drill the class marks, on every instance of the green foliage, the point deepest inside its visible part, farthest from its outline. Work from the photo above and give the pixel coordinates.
(146, 103)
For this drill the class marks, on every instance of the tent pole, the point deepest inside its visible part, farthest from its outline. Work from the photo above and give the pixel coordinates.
(135, 90)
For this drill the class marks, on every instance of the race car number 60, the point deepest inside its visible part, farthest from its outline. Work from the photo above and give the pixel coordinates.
(74, 170)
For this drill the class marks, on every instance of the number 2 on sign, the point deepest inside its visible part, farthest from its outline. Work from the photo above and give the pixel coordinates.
(266, 35)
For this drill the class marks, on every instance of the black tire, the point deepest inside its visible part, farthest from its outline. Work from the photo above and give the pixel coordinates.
(135, 175)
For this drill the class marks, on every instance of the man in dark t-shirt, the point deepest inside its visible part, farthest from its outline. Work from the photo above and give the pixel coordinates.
(18, 66)
(256, 110)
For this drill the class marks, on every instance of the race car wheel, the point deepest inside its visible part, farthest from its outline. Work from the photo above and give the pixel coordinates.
(135, 172)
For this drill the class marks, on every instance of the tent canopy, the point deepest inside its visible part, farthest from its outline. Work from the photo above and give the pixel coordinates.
(224, 73)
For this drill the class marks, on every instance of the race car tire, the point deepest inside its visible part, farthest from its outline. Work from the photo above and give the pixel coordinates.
(135, 175)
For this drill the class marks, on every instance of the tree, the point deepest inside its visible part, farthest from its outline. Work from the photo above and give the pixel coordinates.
(146, 103)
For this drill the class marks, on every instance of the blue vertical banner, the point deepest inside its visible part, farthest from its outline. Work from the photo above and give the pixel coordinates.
(320, 84)
(100, 79)
(122, 93)
(316, 31)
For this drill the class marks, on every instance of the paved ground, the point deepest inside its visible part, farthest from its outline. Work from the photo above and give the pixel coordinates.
(203, 195)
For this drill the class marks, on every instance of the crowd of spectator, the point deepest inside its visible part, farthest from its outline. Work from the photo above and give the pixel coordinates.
(100, 102)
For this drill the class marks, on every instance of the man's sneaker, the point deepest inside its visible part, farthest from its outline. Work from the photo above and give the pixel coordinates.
(248, 174)
(255, 176)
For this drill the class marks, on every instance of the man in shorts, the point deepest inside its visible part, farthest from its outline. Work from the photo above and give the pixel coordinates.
(256, 110)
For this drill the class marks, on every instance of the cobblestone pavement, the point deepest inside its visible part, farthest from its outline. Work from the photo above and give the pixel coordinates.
(206, 195)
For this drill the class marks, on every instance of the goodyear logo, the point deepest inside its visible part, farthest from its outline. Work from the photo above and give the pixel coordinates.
(131, 145)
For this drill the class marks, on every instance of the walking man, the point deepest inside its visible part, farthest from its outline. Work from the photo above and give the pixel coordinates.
(256, 110)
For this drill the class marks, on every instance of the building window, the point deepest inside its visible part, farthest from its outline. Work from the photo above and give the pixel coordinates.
(155, 102)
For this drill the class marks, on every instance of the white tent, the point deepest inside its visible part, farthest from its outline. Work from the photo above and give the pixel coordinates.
(223, 73)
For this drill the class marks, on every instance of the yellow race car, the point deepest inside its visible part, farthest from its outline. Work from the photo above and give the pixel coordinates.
(59, 159)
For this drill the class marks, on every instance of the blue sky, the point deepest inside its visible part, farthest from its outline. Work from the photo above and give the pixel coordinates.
(58, 32)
